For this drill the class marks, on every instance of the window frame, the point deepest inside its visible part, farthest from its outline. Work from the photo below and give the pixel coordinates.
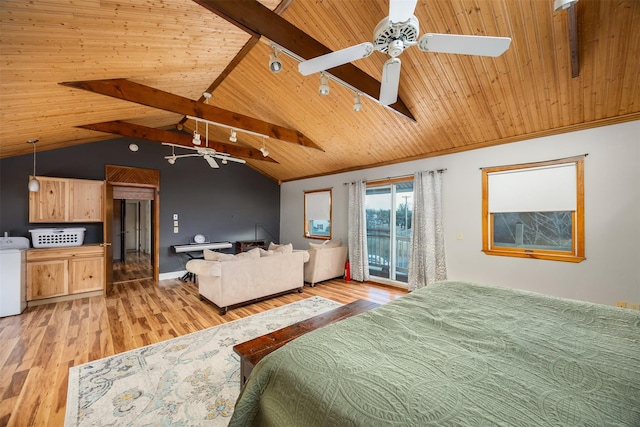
(577, 253)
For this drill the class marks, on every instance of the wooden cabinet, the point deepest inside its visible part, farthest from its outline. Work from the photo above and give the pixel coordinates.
(67, 200)
(56, 272)
(46, 279)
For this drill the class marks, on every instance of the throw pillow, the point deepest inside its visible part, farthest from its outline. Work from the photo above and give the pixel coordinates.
(334, 243)
(252, 254)
(281, 249)
(265, 253)
(210, 255)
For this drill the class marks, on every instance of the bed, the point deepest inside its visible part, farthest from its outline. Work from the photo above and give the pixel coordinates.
(457, 354)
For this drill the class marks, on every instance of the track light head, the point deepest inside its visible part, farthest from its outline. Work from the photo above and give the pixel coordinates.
(324, 85)
(275, 65)
(223, 161)
(264, 152)
(196, 138)
(357, 106)
(233, 137)
(172, 160)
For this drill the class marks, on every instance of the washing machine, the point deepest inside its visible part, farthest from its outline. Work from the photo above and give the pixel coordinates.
(13, 275)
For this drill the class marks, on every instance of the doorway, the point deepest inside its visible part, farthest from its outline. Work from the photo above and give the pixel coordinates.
(140, 186)
(131, 240)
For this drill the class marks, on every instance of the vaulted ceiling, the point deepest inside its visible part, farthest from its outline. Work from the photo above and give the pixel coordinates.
(454, 102)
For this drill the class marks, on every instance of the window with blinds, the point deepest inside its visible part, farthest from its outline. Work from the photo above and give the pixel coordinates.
(534, 210)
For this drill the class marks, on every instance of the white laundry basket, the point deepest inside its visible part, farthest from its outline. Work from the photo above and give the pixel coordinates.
(57, 237)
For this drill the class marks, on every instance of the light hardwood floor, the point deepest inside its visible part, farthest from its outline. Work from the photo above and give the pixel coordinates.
(38, 347)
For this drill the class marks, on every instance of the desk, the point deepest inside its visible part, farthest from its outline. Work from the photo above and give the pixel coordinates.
(197, 247)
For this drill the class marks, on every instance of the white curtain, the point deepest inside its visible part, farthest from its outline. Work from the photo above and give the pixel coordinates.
(426, 263)
(358, 254)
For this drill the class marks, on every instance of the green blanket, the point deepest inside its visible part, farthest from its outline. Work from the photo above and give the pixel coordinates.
(456, 354)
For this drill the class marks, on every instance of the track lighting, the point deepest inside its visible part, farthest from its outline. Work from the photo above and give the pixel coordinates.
(324, 85)
(34, 184)
(275, 65)
(196, 136)
(357, 106)
(172, 160)
(559, 5)
(223, 161)
(263, 150)
(233, 137)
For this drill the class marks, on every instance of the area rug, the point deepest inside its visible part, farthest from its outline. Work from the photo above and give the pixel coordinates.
(186, 381)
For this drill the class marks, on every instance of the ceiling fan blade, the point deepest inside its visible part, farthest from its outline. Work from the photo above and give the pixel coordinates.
(401, 10)
(464, 45)
(334, 59)
(390, 81)
(211, 161)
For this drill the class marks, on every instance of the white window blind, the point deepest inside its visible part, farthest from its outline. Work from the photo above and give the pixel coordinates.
(541, 189)
(318, 205)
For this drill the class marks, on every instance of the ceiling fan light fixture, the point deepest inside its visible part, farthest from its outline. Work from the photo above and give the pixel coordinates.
(234, 136)
(324, 85)
(34, 184)
(559, 5)
(275, 65)
(357, 105)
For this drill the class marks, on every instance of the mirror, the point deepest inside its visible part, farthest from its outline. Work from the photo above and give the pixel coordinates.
(317, 214)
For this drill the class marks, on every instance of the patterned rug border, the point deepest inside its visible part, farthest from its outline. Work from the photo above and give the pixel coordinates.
(73, 387)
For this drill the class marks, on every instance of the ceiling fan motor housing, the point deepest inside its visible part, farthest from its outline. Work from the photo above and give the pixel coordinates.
(393, 38)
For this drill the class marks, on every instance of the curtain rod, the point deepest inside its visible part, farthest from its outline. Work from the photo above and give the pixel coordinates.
(542, 161)
(396, 177)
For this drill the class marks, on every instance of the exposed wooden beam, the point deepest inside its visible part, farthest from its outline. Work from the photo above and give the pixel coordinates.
(573, 40)
(227, 70)
(253, 17)
(152, 134)
(145, 95)
(253, 40)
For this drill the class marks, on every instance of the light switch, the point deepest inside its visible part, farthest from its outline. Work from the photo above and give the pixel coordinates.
(459, 235)
(175, 217)
(175, 223)
(175, 230)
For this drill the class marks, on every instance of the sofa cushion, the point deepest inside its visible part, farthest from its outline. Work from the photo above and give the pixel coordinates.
(218, 256)
(281, 249)
(333, 243)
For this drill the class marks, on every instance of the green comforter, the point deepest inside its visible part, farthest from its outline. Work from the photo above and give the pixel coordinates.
(456, 354)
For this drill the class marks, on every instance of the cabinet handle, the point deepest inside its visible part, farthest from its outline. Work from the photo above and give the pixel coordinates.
(105, 244)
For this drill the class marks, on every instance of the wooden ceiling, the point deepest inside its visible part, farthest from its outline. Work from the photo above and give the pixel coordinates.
(177, 46)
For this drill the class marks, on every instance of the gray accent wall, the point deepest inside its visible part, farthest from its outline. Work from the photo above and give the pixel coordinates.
(231, 203)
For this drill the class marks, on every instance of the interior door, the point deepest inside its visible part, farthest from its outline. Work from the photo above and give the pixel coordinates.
(107, 233)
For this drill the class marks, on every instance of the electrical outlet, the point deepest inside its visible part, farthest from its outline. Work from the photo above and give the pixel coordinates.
(459, 235)
(175, 217)
(621, 304)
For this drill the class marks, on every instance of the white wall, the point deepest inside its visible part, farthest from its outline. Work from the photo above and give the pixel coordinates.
(611, 271)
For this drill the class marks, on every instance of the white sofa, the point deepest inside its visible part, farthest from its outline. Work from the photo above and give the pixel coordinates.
(325, 263)
(248, 278)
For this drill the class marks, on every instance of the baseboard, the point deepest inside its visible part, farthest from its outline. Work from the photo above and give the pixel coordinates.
(172, 275)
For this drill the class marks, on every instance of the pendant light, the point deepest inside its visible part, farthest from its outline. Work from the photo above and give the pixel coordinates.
(34, 184)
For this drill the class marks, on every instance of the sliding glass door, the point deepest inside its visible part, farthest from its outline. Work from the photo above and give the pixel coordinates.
(389, 211)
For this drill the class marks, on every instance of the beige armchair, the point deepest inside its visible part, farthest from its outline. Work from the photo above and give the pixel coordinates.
(325, 263)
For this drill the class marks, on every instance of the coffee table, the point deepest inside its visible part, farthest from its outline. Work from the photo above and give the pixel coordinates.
(251, 352)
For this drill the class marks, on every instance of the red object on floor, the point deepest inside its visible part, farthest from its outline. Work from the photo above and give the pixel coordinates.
(347, 271)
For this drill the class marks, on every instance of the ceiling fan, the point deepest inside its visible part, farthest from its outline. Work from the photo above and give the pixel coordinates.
(209, 154)
(392, 36)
